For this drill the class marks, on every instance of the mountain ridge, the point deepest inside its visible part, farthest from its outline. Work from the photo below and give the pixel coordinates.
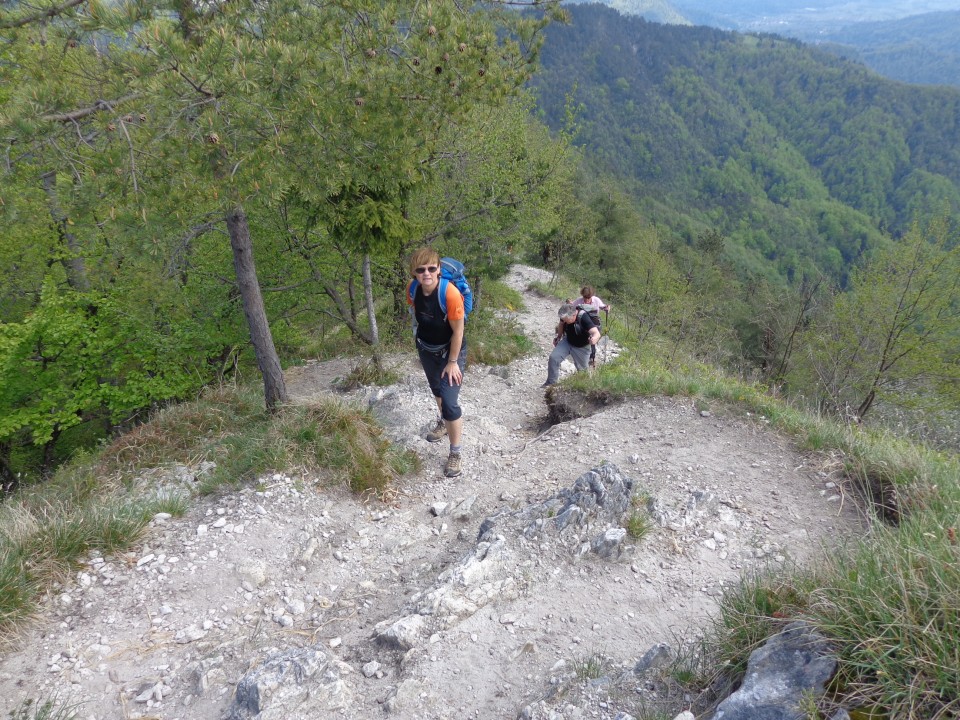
(804, 160)
(906, 41)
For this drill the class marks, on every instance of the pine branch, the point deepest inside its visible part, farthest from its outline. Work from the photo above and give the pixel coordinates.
(98, 106)
(42, 15)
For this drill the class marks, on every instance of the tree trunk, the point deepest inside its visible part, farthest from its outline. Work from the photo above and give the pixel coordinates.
(368, 294)
(9, 482)
(274, 388)
(73, 261)
(867, 403)
(48, 460)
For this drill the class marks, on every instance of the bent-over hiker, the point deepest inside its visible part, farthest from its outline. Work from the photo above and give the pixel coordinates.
(576, 334)
(593, 305)
(441, 347)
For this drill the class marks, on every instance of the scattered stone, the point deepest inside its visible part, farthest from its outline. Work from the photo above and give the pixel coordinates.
(404, 633)
(609, 544)
(275, 689)
(657, 656)
(789, 666)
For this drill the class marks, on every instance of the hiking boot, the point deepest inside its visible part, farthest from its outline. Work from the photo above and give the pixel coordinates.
(438, 433)
(452, 468)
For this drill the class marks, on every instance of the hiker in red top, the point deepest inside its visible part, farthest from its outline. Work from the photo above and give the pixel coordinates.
(441, 347)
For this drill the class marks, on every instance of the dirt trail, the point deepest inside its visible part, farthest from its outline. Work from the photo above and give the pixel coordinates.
(168, 630)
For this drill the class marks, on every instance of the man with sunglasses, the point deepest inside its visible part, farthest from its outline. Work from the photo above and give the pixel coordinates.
(441, 347)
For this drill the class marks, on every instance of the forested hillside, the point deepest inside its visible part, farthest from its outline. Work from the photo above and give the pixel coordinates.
(799, 158)
(918, 49)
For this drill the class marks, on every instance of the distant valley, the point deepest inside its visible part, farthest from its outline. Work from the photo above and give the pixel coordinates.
(908, 40)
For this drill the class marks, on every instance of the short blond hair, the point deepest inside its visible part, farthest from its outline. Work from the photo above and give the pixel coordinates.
(423, 256)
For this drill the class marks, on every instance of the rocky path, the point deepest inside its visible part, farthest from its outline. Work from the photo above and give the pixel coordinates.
(291, 601)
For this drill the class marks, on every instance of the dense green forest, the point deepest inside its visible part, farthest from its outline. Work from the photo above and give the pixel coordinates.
(801, 159)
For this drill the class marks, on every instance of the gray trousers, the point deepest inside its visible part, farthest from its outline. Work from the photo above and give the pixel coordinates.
(579, 355)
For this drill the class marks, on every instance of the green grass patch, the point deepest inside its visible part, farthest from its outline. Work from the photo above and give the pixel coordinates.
(40, 542)
(588, 668)
(498, 295)
(493, 339)
(342, 443)
(890, 607)
(559, 287)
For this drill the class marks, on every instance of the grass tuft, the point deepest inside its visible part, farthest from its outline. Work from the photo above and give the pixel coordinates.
(588, 668)
(369, 372)
(496, 340)
(639, 525)
(51, 709)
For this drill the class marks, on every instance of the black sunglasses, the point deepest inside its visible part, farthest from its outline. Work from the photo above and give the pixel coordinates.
(430, 269)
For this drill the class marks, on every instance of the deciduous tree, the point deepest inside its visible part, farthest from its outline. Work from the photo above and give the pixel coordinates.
(896, 329)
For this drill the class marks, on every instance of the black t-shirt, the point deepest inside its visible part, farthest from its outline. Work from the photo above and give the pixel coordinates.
(432, 325)
(578, 333)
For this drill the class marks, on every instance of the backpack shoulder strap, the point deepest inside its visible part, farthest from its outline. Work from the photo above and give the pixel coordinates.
(579, 325)
(412, 289)
(442, 294)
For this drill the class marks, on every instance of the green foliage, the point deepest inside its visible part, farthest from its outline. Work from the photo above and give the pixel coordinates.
(897, 327)
(86, 355)
(915, 49)
(789, 152)
(344, 133)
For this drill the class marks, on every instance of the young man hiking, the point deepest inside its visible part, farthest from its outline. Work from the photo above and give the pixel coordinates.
(441, 347)
(576, 334)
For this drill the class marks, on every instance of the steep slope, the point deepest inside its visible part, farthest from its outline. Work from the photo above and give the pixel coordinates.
(305, 602)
